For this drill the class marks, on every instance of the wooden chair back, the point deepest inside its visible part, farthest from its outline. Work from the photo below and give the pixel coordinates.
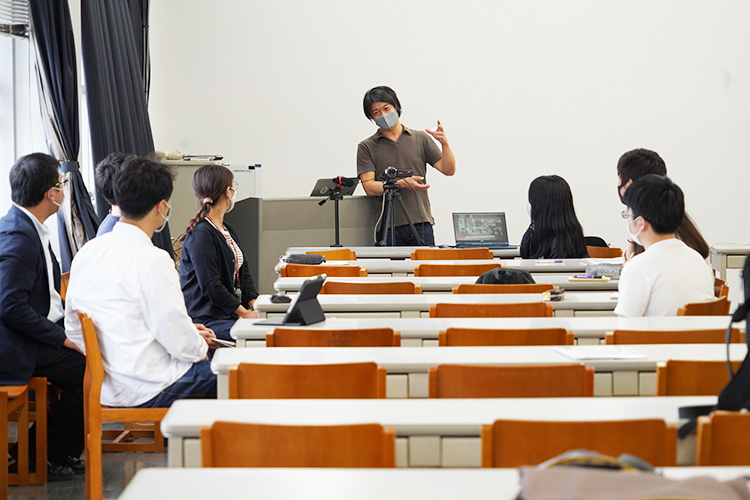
(526, 336)
(64, 280)
(365, 337)
(95, 414)
(604, 252)
(524, 310)
(454, 269)
(317, 381)
(515, 288)
(678, 377)
(390, 288)
(720, 288)
(451, 254)
(671, 336)
(306, 271)
(717, 307)
(513, 443)
(511, 381)
(231, 444)
(723, 439)
(337, 254)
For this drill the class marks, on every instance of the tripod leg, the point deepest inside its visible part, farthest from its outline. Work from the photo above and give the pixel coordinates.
(408, 219)
(388, 200)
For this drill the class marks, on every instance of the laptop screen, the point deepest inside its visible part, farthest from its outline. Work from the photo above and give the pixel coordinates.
(485, 227)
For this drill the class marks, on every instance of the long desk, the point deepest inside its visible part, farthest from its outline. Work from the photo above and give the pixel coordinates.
(345, 484)
(394, 253)
(430, 432)
(445, 284)
(728, 256)
(416, 306)
(408, 368)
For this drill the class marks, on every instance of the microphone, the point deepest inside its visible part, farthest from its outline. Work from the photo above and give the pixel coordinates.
(342, 181)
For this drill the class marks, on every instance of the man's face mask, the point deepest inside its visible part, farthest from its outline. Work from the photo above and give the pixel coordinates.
(387, 121)
(166, 218)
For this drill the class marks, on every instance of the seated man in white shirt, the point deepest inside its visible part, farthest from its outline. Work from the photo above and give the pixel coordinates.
(152, 352)
(668, 274)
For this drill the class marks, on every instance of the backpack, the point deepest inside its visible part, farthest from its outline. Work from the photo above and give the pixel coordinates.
(505, 276)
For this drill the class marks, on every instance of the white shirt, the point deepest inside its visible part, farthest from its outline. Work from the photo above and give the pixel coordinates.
(665, 277)
(131, 291)
(55, 302)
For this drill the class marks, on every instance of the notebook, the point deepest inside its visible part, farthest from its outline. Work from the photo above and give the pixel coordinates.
(477, 230)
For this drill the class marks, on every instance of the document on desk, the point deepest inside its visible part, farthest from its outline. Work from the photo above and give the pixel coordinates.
(582, 353)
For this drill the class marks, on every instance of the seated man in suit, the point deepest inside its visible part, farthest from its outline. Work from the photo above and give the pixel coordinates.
(152, 352)
(668, 274)
(32, 337)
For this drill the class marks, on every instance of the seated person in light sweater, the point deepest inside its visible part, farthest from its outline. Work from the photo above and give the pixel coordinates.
(152, 352)
(668, 274)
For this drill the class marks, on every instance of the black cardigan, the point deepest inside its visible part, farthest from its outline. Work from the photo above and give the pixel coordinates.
(207, 274)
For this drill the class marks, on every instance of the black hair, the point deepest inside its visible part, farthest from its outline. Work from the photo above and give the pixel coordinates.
(381, 94)
(105, 174)
(639, 162)
(31, 177)
(658, 200)
(140, 185)
(556, 230)
(210, 183)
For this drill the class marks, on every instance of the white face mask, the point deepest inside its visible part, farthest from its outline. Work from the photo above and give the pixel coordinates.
(231, 202)
(634, 237)
(387, 121)
(166, 218)
(528, 208)
(53, 201)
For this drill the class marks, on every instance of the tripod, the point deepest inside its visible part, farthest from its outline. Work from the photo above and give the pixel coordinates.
(336, 195)
(390, 191)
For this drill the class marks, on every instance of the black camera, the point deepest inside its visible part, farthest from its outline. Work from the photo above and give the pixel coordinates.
(393, 173)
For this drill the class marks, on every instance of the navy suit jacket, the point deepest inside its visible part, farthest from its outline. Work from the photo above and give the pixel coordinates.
(24, 299)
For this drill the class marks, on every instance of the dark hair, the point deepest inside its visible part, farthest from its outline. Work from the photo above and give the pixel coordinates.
(140, 185)
(210, 183)
(658, 200)
(31, 177)
(105, 174)
(556, 230)
(380, 94)
(689, 234)
(639, 162)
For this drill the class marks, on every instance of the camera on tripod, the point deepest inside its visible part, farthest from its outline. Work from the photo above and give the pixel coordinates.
(393, 173)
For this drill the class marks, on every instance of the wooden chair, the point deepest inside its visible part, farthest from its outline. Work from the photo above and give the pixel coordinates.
(671, 336)
(14, 401)
(454, 270)
(337, 254)
(718, 307)
(481, 337)
(306, 271)
(451, 254)
(37, 412)
(511, 381)
(231, 444)
(95, 414)
(692, 378)
(318, 381)
(525, 310)
(515, 288)
(723, 439)
(604, 252)
(302, 337)
(513, 443)
(720, 288)
(64, 280)
(391, 288)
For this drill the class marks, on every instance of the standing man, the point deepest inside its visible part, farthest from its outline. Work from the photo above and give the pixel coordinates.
(32, 337)
(394, 145)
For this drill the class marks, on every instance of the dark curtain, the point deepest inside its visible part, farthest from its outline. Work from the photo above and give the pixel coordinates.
(114, 58)
(52, 33)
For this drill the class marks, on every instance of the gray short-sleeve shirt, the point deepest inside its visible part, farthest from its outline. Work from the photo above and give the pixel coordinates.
(413, 150)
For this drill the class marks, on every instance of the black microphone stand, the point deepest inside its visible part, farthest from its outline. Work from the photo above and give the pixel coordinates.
(335, 195)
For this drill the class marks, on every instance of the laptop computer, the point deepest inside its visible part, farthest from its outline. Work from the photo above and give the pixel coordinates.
(482, 229)
(304, 309)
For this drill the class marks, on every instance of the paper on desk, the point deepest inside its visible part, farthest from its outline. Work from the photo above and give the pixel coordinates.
(599, 352)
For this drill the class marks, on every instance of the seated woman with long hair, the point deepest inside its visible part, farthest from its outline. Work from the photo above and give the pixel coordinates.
(555, 232)
(214, 273)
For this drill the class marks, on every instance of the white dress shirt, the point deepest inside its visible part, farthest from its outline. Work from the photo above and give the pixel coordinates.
(131, 291)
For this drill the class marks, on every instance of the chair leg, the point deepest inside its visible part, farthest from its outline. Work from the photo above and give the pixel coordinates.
(23, 440)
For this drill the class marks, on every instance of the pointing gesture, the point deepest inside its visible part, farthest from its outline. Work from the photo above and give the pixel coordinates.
(438, 134)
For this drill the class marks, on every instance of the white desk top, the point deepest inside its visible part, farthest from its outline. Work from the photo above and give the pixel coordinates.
(412, 360)
(345, 484)
(395, 253)
(446, 283)
(371, 303)
(410, 417)
(430, 327)
(731, 248)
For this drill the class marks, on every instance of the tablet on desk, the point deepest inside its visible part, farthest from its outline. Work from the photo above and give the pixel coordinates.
(304, 308)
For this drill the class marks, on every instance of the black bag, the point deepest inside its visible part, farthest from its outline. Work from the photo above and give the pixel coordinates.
(305, 258)
(505, 276)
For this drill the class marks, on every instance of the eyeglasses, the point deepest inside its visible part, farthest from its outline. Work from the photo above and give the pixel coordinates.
(625, 215)
(62, 183)
(234, 186)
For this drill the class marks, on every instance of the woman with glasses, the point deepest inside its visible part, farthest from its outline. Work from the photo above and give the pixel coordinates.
(555, 232)
(214, 273)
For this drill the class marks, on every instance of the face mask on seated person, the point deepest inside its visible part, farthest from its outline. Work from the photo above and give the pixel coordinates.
(166, 219)
(634, 237)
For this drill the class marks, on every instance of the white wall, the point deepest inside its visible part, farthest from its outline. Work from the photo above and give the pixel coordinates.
(523, 89)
